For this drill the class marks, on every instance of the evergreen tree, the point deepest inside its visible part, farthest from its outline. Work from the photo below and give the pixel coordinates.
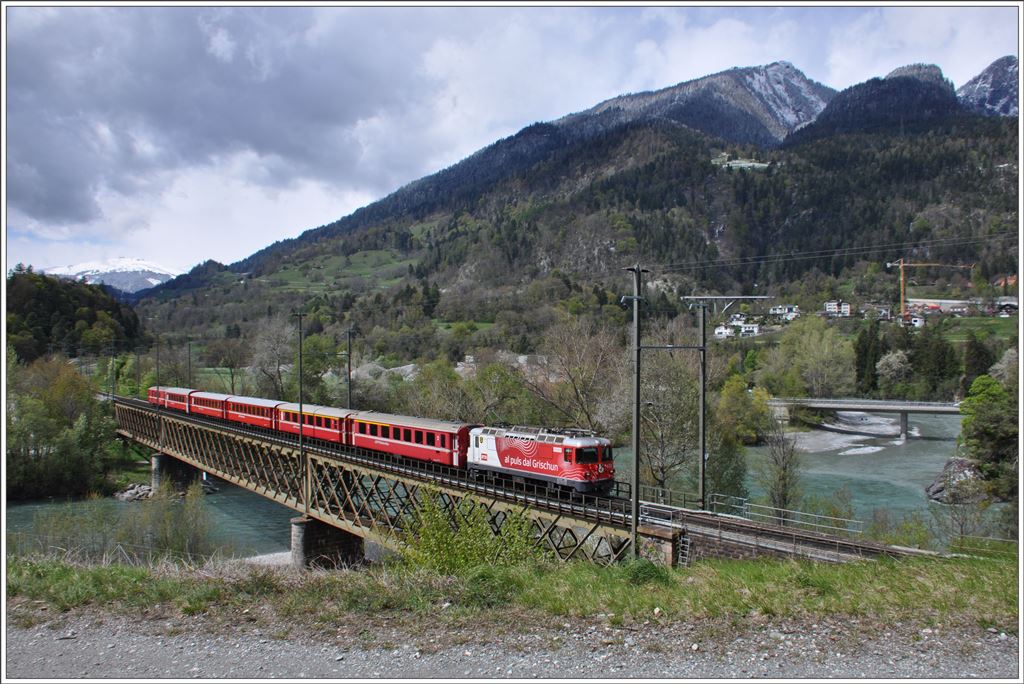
(868, 351)
(978, 358)
(936, 365)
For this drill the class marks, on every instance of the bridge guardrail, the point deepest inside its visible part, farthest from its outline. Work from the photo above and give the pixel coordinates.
(786, 518)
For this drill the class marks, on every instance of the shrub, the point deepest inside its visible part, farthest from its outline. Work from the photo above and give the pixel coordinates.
(457, 538)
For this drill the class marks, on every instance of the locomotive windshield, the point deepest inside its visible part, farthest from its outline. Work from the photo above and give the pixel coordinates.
(586, 455)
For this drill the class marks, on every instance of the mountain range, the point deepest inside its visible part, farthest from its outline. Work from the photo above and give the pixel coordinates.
(123, 273)
(636, 176)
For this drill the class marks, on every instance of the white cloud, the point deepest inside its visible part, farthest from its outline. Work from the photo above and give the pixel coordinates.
(221, 45)
(962, 41)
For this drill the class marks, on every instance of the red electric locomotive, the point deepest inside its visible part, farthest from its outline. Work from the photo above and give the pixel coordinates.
(565, 458)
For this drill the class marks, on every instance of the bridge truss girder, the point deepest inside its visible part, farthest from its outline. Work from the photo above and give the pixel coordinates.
(371, 502)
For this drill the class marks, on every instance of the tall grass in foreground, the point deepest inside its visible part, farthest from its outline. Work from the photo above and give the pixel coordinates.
(165, 526)
(961, 590)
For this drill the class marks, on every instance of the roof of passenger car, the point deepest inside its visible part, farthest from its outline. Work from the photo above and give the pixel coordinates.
(316, 409)
(255, 401)
(409, 421)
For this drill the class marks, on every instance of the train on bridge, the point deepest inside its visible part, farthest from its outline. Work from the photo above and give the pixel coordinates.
(560, 457)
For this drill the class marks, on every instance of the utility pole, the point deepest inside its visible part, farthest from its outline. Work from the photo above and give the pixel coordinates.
(348, 374)
(188, 342)
(702, 302)
(635, 493)
(302, 420)
(701, 407)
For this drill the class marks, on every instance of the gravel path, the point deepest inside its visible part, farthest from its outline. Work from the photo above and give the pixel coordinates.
(99, 646)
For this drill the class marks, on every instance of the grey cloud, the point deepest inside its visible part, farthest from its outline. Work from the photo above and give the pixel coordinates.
(182, 86)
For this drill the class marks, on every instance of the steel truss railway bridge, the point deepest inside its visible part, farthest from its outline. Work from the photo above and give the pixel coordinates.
(347, 496)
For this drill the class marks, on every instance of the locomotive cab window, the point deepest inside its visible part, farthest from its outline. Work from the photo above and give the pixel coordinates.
(606, 454)
(586, 455)
(568, 455)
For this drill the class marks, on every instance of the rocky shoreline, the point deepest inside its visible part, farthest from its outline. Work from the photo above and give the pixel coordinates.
(139, 491)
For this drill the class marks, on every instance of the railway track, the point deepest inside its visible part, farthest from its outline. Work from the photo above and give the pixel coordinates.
(614, 509)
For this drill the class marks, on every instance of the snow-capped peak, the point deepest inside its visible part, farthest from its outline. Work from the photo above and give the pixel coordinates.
(114, 265)
(124, 273)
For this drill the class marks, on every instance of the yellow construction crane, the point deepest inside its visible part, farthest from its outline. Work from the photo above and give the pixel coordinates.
(902, 263)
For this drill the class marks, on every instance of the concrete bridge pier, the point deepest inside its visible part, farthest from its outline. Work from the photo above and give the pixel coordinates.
(904, 431)
(167, 468)
(315, 543)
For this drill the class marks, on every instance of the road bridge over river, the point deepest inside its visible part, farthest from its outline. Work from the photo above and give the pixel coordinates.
(347, 496)
(782, 405)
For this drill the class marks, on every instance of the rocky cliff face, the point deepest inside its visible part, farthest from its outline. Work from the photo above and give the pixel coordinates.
(758, 105)
(994, 91)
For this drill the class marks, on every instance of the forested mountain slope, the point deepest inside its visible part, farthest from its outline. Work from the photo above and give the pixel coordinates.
(895, 161)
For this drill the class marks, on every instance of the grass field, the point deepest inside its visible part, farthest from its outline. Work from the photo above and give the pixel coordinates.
(378, 268)
(957, 329)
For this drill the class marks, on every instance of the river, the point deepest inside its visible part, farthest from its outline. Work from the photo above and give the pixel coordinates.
(243, 523)
(879, 472)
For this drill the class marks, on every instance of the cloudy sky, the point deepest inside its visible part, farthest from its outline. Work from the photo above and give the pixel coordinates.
(179, 134)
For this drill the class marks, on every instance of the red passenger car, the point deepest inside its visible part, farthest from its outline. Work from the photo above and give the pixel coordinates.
(253, 411)
(425, 439)
(319, 422)
(170, 397)
(208, 404)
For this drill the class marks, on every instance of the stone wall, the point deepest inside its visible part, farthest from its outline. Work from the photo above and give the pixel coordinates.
(707, 546)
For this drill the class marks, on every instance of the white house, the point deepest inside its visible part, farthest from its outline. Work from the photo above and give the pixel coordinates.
(737, 319)
(787, 311)
(838, 308)
(723, 331)
(749, 330)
